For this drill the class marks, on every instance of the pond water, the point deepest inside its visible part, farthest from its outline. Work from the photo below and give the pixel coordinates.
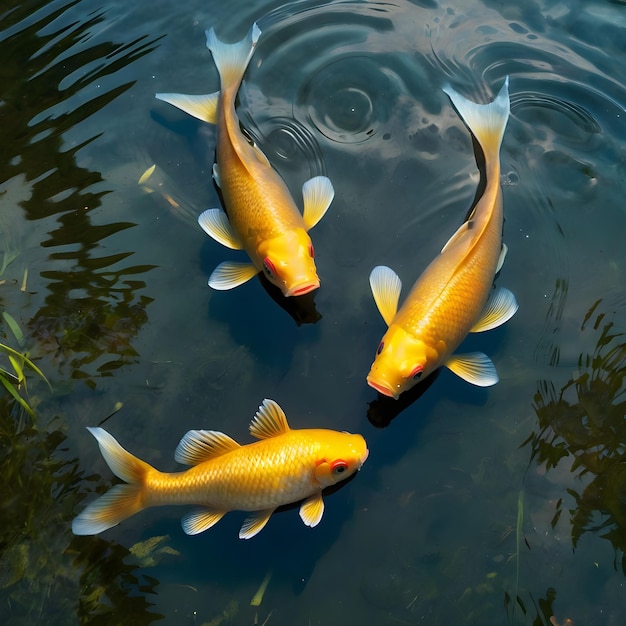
(504, 505)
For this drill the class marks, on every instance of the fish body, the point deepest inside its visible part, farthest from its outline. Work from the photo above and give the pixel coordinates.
(262, 217)
(282, 467)
(454, 295)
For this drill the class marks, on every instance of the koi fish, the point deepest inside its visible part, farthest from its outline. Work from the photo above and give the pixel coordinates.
(284, 466)
(262, 217)
(454, 295)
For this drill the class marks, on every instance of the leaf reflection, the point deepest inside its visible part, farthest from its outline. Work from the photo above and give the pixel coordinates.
(50, 57)
(52, 52)
(585, 420)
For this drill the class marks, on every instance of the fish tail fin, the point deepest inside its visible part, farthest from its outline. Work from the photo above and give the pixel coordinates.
(232, 59)
(486, 121)
(121, 501)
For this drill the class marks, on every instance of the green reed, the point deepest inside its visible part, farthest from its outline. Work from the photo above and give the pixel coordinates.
(13, 378)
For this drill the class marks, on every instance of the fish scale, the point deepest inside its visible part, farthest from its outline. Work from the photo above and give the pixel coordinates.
(284, 466)
(454, 294)
(261, 217)
(250, 478)
(458, 304)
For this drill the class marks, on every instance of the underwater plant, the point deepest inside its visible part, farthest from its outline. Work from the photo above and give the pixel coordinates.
(12, 377)
(585, 422)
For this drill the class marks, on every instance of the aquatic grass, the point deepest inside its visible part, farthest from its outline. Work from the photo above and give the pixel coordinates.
(519, 529)
(9, 252)
(14, 381)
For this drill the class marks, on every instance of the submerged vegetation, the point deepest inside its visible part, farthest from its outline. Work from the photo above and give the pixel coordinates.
(92, 311)
(78, 322)
(76, 317)
(45, 572)
(584, 425)
(15, 381)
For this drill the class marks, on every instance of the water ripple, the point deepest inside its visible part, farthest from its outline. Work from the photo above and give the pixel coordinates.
(330, 68)
(339, 102)
(574, 112)
(287, 142)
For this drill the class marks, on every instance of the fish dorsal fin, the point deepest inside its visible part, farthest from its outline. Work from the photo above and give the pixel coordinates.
(459, 233)
(201, 445)
(230, 274)
(317, 194)
(500, 307)
(475, 368)
(260, 155)
(200, 520)
(386, 286)
(254, 523)
(203, 107)
(312, 510)
(214, 223)
(269, 421)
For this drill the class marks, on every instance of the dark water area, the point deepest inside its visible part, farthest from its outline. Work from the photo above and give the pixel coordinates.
(504, 505)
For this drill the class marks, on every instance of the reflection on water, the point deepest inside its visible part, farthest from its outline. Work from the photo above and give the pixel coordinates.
(38, 560)
(351, 89)
(583, 427)
(92, 311)
(51, 60)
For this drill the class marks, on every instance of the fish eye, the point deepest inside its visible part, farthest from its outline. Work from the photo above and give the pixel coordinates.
(417, 372)
(311, 251)
(268, 267)
(381, 345)
(339, 467)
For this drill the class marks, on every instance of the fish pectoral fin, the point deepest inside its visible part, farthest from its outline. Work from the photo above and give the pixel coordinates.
(269, 421)
(502, 256)
(500, 307)
(200, 520)
(198, 446)
(214, 223)
(386, 286)
(202, 107)
(475, 368)
(231, 274)
(317, 194)
(312, 510)
(255, 523)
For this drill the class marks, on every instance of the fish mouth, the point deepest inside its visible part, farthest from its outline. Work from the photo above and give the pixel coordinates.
(382, 388)
(302, 289)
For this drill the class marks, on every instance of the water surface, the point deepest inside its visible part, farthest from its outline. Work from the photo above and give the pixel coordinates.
(476, 506)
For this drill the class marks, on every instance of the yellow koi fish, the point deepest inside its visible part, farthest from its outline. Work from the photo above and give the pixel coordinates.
(454, 295)
(284, 466)
(262, 216)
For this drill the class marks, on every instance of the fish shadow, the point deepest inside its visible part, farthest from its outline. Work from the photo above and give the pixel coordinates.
(382, 411)
(300, 308)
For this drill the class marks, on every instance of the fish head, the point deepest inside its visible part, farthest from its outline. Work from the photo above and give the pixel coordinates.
(340, 454)
(402, 360)
(288, 262)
